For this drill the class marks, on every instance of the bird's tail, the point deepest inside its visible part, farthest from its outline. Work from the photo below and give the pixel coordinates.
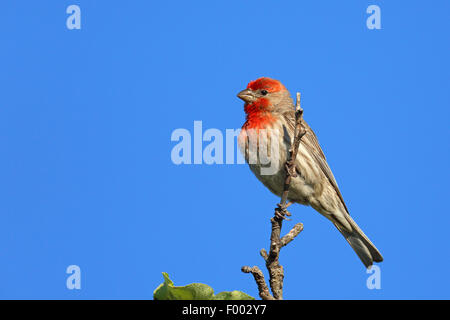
(363, 247)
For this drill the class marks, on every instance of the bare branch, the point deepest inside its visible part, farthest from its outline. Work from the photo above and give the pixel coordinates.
(264, 254)
(264, 292)
(295, 231)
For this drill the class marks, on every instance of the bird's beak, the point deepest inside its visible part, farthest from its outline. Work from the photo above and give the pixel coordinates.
(246, 95)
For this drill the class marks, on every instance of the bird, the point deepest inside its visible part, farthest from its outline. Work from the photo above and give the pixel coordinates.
(269, 108)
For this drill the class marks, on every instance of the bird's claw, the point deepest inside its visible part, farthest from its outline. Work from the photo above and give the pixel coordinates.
(290, 170)
(281, 212)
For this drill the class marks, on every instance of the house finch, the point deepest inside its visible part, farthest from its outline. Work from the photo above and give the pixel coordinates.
(269, 108)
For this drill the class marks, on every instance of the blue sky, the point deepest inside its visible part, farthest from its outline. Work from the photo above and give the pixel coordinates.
(86, 118)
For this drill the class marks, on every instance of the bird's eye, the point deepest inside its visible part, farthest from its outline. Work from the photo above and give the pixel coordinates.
(264, 92)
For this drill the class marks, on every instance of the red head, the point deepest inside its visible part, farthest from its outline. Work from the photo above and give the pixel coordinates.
(265, 91)
(263, 98)
(268, 84)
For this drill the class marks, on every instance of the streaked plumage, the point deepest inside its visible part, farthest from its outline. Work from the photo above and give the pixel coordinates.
(269, 108)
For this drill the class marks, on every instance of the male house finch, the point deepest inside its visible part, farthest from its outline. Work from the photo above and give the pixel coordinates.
(269, 107)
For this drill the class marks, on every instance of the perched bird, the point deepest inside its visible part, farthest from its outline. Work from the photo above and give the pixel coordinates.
(269, 107)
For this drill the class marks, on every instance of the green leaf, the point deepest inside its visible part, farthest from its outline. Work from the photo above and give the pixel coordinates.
(232, 295)
(194, 291)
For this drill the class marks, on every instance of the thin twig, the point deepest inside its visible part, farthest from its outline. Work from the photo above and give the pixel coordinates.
(299, 132)
(276, 271)
(292, 234)
(264, 292)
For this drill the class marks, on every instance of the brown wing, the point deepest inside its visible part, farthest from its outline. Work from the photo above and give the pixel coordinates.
(311, 143)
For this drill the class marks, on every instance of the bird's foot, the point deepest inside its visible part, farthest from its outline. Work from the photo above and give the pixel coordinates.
(281, 211)
(290, 170)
